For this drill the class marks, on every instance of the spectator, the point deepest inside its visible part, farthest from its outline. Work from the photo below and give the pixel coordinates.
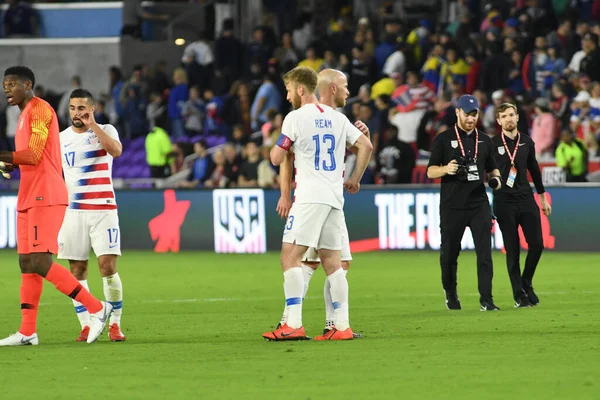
(266, 172)
(249, 168)
(560, 104)
(330, 61)
(396, 62)
(19, 20)
(12, 119)
(311, 61)
(63, 106)
(156, 112)
(213, 123)
(590, 64)
(218, 177)
(585, 120)
(267, 97)
(395, 159)
(544, 128)
(201, 169)
(232, 163)
(258, 50)
(158, 152)
(134, 113)
(236, 108)
(193, 112)
(286, 54)
(229, 54)
(177, 98)
(116, 86)
(572, 157)
(489, 115)
(198, 59)
(239, 138)
(100, 114)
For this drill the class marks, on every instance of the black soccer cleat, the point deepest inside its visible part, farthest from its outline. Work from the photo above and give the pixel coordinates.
(488, 306)
(452, 302)
(522, 301)
(533, 299)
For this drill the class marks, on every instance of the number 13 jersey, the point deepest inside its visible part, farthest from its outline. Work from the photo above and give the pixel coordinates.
(88, 169)
(319, 135)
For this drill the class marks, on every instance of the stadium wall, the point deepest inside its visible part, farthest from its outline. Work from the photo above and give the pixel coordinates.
(55, 61)
(245, 221)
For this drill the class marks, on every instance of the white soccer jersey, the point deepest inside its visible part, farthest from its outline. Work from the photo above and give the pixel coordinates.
(319, 135)
(87, 169)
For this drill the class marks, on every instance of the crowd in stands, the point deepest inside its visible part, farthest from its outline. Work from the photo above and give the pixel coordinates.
(220, 112)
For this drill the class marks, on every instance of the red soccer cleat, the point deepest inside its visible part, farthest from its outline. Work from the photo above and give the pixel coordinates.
(115, 334)
(284, 332)
(84, 334)
(335, 334)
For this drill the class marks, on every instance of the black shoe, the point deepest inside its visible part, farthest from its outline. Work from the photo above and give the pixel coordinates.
(522, 301)
(488, 306)
(452, 302)
(533, 299)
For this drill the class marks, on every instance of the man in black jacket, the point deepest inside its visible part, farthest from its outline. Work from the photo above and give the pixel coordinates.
(514, 204)
(460, 156)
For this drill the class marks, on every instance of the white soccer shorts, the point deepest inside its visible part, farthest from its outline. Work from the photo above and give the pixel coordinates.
(82, 230)
(314, 225)
(312, 256)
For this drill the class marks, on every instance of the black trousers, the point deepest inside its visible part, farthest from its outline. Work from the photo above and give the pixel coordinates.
(453, 223)
(159, 172)
(510, 217)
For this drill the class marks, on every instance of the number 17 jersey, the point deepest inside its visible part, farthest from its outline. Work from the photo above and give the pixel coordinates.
(319, 135)
(88, 170)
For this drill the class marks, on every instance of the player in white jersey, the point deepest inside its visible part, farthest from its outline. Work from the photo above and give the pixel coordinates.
(91, 219)
(333, 91)
(318, 135)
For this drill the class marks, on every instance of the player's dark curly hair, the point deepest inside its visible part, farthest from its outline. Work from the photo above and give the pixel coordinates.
(82, 94)
(22, 72)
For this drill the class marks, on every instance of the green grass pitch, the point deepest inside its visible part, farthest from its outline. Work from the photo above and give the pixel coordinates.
(194, 322)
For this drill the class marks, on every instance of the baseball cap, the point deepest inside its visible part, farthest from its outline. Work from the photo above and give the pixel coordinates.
(591, 36)
(582, 96)
(467, 103)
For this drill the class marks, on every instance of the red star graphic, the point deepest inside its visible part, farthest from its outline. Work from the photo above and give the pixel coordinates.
(165, 228)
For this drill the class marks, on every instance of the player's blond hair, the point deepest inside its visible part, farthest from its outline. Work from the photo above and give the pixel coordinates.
(302, 76)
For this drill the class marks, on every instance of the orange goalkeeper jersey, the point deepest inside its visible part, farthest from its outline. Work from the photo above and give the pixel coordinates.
(42, 182)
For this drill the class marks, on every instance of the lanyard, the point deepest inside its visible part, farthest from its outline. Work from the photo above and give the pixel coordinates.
(514, 154)
(462, 149)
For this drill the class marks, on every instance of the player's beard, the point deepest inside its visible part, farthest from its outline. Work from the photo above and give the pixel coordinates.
(466, 126)
(340, 102)
(77, 123)
(510, 126)
(296, 101)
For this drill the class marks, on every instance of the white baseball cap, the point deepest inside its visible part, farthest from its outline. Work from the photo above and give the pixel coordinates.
(582, 97)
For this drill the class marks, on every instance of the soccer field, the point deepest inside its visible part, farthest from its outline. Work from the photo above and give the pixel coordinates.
(194, 322)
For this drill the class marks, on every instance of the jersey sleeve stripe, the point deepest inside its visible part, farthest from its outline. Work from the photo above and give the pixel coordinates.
(95, 167)
(93, 181)
(84, 206)
(94, 154)
(93, 195)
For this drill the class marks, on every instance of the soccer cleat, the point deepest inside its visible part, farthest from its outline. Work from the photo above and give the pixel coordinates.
(83, 336)
(356, 335)
(533, 299)
(452, 302)
(334, 334)
(488, 306)
(522, 301)
(115, 334)
(98, 321)
(18, 339)
(284, 332)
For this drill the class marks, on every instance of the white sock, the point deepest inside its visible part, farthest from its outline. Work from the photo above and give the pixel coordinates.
(339, 297)
(113, 293)
(82, 313)
(329, 311)
(307, 273)
(293, 282)
(286, 311)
